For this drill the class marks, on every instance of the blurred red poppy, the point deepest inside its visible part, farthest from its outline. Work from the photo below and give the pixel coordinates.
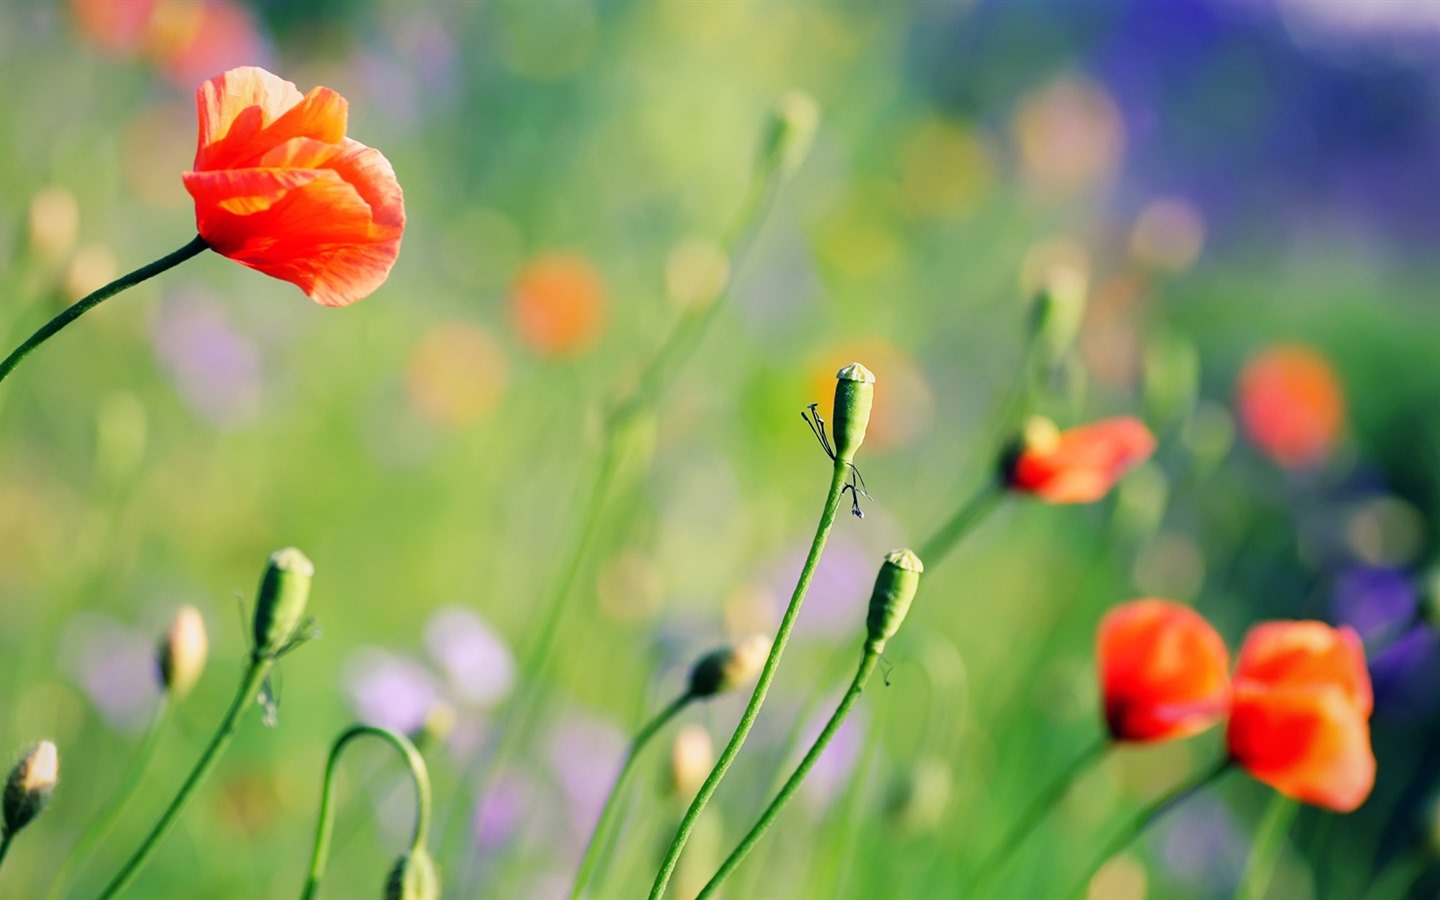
(1300, 718)
(1291, 405)
(559, 304)
(279, 187)
(1079, 465)
(1164, 671)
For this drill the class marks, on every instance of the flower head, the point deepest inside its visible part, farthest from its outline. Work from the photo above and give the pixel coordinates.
(1300, 719)
(1078, 465)
(279, 187)
(1163, 671)
(28, 789)
(1291, 405)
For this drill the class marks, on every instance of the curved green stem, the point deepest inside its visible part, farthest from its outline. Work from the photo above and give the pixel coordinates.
(94, 299)
(1147, 817)
(762, 684)
(1265, 848)
(971, 513)
(325, 826)
(5, 845)
(1000, 854)
(767, 818)
(111, 814)
(250, 684)
(607, 813)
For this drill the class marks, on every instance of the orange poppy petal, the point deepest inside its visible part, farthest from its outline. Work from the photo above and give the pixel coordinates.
(235, 106)
(1085, 462)
(1163, 671)
(1300, 654)
(1311, 744)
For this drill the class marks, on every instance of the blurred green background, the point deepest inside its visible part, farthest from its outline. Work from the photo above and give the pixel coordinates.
(1225, 176)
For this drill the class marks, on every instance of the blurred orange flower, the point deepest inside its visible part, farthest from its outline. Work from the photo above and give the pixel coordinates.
(1300, 718)
(558, 302)
(1164, 671)
(279, 187)
(1079, 465)
(1291, 404)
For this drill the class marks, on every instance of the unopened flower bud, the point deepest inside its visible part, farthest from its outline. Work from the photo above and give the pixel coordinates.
(284, 591)
(894, 590)
(792, 128)
(729, 667)
(29, 786)
(414, 877)
(438, 725)
(182, 652)
(691, 758)
(54, 223)
(854, 397)
(1056, 314)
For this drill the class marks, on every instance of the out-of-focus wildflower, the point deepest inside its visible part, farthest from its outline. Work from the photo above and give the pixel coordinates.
(115, 666)
(183, 652)
(837, 763)
(478, 662)
(1300, 718)
(456, 373)
(115, 26)
(28, 789)
(1402, 650)
(1201, 842)
(558, 302)
(389, 690)
(279, 187)
(1078, 465)
(53, 223)
(193, 39)
(92, 266)
(1168, 235)
(1070, 135)
(729, 667)
(692, 756)
(1291, 405)
(1163, 671)
(216, 369)
(584, 754)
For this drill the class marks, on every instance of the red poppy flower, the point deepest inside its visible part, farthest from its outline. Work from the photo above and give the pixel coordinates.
(279, 187)
(1164, 671)
(559, 304)
(1291, 405)
(1079, 465)
(1300, 718)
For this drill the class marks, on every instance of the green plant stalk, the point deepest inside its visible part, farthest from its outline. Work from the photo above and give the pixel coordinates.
(762, 685)
(1147, 817)
(419, 774)
(5, 845)
(101, 827)
(970, 514)
(767, 818)
(250, 684)
(1265, 849)
(607, 813)
(1000, 854)
(95, 298)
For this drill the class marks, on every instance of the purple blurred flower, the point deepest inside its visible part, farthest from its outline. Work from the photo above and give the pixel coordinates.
(1406, 675)
(837, 763)
(1377, 603)
(476, 660)
(115, 666)
(215, 368)
(585, 753)
(1202, 845)
(838, 594)
(1403, 654)
(390, 690)
(505, 808)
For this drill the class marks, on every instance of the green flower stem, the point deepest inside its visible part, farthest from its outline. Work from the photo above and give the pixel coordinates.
(772, 812)
(5, 845)
(111, 814)
(762, 685)
(1000, 854)
(607, 813)
(94, 299)
(250, 684)
(325, 826)
(1148, 816)
(1265, 848)
(970, 514)
(516, 725)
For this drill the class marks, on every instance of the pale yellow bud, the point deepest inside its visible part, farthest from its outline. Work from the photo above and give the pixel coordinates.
(30, 785)
(692, 756)
(53, 223)
(729, 667)
(183, 652)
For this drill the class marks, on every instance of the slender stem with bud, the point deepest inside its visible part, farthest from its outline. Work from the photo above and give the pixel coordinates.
(250, 684)
(857, 685)
(607, 813)
(762, 686)
(111, 814)
(325, 826)
(994, 861)
(970, 514)
(1147, 817)
(95, 298)
(5, 842)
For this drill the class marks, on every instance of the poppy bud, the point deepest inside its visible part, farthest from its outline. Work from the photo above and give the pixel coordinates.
(854, 396)
(791, 132)
(414, 877)
(284, 591)
(182, 652)
(1056, 314)
(729, 667)
(28, 789)
(894, 589)
(692, 756)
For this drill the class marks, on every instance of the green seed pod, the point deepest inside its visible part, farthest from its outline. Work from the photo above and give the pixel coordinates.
(854, 397)
(791, 132)
(1056, 314)
(729, 667)
(414, 877)
(28, 789)
(284, 591)
(894, 589)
